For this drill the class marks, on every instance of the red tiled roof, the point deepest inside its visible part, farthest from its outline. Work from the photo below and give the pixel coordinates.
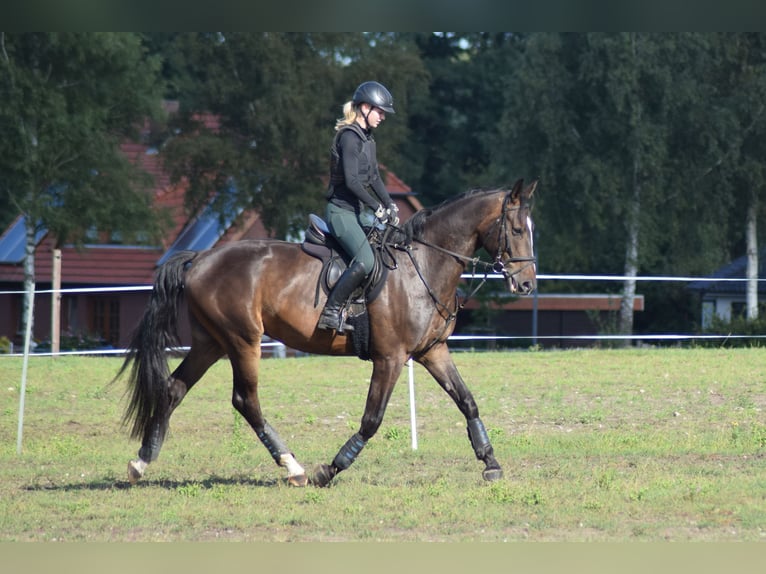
(393, 183)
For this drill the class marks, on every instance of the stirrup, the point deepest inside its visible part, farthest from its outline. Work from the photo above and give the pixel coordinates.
(344, 327)
(334, 322)
(328, 323)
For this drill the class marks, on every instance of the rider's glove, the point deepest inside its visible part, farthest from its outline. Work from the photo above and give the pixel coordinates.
(381, 214)
(393, 214)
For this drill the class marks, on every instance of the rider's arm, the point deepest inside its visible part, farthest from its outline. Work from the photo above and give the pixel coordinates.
(380, 187)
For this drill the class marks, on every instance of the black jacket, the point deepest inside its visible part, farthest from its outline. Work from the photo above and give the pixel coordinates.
(354, 176)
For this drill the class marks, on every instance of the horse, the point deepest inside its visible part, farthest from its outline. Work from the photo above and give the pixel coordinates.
(239, 292)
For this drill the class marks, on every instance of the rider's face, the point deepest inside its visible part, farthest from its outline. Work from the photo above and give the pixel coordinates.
(374, 115)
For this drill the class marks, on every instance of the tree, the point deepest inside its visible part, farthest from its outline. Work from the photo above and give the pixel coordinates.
(453, 122)
(738, 170)
(601, 118)
(67, 101)
(276, 97)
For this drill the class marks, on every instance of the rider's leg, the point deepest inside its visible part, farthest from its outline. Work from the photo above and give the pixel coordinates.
(348, 231)
(331, 314)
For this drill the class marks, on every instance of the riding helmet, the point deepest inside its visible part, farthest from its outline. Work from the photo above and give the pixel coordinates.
(375, 94)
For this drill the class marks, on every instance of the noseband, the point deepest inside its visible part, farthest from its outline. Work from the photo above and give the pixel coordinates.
(503, 244)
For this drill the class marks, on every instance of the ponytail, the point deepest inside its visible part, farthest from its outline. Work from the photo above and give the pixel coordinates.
(349, 115)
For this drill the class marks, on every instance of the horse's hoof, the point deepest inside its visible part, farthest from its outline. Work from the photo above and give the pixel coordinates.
(298, 480)
(491, 474)
(134, 472)
(323, 475)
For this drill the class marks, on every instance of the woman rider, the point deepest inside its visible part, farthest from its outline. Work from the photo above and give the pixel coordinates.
(356, 195)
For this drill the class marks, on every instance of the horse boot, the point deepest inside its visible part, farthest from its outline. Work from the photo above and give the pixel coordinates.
(332, 314)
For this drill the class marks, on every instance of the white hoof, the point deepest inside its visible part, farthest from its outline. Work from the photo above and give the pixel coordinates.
(296, 475)
(136, 470)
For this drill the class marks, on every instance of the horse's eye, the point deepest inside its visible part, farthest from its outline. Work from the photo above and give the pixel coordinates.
(517, 231)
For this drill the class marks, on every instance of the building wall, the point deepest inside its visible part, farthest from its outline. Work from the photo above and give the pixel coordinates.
(719, 306)
(550, 323)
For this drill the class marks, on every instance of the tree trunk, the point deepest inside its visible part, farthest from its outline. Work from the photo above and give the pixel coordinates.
(29, 274)
(752, 261)
(633, 222)
(631, 259)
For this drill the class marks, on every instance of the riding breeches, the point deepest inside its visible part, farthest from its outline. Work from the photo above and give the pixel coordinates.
(346, 227)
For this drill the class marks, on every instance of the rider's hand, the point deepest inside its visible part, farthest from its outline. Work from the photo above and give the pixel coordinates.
(381, 214)
(393, 214)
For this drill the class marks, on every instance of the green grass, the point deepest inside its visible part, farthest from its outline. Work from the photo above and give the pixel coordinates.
(603, 445)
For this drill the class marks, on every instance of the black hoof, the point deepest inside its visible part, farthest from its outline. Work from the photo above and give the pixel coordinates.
(323, 475)
(491, 474)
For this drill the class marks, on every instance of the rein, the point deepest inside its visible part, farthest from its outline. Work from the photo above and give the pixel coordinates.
(497, 266)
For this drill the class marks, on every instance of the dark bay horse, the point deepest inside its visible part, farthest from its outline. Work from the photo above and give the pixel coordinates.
(241, 291)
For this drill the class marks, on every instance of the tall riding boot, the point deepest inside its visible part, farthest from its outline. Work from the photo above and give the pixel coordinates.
(331, 317)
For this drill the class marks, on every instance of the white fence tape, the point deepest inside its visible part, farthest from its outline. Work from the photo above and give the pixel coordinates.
(561, 277)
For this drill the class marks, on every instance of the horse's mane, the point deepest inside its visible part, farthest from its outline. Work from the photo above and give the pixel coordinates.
(416, 224)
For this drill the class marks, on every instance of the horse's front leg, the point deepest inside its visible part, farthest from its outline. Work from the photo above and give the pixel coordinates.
(385, 372)
(439, 363)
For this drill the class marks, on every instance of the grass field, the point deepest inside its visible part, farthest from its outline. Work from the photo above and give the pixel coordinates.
(597, 445)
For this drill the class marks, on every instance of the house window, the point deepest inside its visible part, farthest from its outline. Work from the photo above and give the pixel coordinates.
(106, 319)
(708, 312)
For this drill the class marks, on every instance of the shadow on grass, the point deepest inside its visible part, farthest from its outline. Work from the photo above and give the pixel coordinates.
(112, 484)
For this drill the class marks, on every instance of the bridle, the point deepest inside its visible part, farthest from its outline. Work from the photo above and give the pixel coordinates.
(498, 266)
(503, 244)
(503, 247)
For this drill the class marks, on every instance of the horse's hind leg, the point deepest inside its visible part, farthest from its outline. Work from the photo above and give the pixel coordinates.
(245, 400)
(439, 363)
(183, 378)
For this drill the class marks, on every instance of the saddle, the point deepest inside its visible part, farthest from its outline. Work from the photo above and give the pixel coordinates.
(321, 244)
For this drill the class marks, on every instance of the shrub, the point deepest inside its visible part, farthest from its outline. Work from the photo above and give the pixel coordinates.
(739, 326)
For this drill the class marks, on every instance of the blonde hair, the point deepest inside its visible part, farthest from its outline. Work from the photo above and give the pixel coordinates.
(350, 113)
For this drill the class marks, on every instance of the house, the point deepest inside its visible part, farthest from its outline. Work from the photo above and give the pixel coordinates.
(551, 316)
(724, 294)
(107, 318)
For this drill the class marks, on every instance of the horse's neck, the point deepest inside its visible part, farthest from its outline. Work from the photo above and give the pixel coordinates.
(457, 229)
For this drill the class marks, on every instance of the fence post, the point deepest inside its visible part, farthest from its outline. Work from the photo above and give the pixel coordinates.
(413, 422)
(56, 303)
(27, 345)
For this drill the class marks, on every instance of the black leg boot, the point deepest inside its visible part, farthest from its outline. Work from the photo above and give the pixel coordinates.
(331, 314)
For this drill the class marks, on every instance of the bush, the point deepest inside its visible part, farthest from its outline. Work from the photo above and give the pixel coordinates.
(75, 342)
(739, 326)
(5, 345)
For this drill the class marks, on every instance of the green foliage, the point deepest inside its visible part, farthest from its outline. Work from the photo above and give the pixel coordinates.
(652, 141)
(277, 96)
(68, 101)
(5, 344)
(79, 341)
(740, 326)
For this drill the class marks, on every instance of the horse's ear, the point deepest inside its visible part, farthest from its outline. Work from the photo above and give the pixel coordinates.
(516, 190)
(531, 189)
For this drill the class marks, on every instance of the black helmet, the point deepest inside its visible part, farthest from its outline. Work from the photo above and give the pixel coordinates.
(376, 95)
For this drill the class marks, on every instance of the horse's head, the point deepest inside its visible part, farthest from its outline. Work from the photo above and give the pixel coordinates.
(510, 239)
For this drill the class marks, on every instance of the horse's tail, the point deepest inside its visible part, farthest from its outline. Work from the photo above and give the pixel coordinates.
(158, 330)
